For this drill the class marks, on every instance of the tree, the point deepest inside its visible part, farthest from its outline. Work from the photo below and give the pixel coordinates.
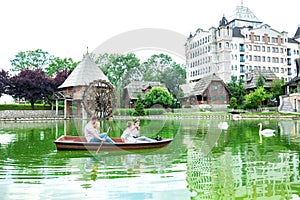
(233, 103)
(31, 60)
(58, 64)
(30, 84)
(237, 90)
(60, 77)
(139, 106)
(260, 81)
(158, 95)
(161, 68)
(254, 99)
(153, 68)
(118, 68)
(276, 89)
(4, 78)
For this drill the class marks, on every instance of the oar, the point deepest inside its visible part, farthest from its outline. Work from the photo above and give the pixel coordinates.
(102, 141)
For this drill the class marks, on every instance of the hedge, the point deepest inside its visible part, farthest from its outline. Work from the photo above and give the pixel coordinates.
(27, 107)
(129, 112)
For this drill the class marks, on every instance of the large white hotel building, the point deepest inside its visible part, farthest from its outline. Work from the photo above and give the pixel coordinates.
(238, 45)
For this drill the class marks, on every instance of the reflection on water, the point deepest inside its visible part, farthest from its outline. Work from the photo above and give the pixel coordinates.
(208, 159)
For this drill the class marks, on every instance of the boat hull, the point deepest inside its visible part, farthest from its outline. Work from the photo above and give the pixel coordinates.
(80, 143)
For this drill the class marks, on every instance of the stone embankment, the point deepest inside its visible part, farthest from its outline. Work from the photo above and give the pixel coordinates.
(35, 115)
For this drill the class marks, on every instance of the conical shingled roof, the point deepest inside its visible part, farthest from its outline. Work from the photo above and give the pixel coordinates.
(86, 72)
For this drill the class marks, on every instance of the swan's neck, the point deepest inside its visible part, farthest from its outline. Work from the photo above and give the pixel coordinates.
(260, 127)
(260, 138)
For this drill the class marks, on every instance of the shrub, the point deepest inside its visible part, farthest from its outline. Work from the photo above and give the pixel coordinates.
(233, 102)
(139, 107)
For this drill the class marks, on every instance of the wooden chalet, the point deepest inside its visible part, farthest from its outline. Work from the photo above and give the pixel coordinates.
(134, 88)
(208, 90)
(253, 76)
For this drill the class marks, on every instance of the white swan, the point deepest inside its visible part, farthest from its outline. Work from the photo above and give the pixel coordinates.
(223, 125)
(265, 132)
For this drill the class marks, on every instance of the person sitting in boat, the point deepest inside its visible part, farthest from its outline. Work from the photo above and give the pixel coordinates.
(127, 136)
(91, 130)
(136, 130)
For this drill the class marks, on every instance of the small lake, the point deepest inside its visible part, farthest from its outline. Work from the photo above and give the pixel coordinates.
(208, 159)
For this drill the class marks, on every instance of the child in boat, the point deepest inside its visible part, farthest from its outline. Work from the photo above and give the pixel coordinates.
(136, 130)
(91, 131)
(127, 136)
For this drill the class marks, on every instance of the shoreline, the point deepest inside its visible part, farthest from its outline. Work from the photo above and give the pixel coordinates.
(210, 115)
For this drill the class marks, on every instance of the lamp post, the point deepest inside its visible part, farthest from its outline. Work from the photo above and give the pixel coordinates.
(295, 106)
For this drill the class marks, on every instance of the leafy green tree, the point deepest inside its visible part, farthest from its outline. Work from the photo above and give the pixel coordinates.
(59, 64)
(237, 89)
(123, 69)
(254, 99)
(31, 60)
(277, 89)
(260, 81)
(161, 68)
(118, 68)
(158, 95)
(233, 103)
(139, 106)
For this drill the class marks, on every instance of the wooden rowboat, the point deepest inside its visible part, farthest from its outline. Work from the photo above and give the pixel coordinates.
(80, 143)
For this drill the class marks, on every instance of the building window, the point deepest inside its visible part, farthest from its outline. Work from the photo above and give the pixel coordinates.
(242, 69)
(263, 48)
(242, 58)
(213, 98)
(289, 52)
(289, 71)
(215, 87)
(222, 98)
(268, 49)
(242, 48)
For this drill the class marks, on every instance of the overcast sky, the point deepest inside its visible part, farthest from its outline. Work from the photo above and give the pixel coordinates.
(65, 28)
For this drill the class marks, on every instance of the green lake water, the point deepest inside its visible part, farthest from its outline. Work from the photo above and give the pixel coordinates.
(208, 159)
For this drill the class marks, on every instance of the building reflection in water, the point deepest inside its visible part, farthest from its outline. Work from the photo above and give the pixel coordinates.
(232, 176)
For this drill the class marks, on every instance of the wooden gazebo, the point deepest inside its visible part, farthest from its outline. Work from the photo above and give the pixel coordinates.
(88, 91)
